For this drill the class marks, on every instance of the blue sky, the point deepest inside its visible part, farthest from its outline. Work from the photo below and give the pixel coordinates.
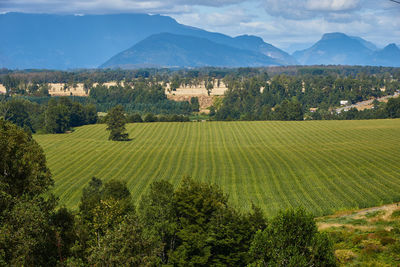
(288, 24)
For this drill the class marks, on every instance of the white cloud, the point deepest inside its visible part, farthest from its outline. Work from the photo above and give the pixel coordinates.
(109, 6)
(328, 9)
(332, 5)
(212, 20)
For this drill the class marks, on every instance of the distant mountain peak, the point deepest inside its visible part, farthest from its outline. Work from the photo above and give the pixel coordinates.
(334, 35)
(391, 46)
(340, 49)
(175, 50)
(335, 48)
(68, 41)
(252, 38)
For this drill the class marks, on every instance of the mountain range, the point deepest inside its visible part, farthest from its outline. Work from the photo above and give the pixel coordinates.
(341, 49)
(141, 40)
(172, 50)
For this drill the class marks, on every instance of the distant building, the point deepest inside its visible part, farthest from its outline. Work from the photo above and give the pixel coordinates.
(313, 110)
(344, 102)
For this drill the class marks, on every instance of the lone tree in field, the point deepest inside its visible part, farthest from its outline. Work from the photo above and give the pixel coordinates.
(116, 124)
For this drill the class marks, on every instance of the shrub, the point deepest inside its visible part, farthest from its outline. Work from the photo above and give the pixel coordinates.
(396, 214)
(370, 247)
(149, 117)
(344, 255)
(135, 117)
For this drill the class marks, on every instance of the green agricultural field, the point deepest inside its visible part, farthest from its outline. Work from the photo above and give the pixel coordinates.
(321, 165)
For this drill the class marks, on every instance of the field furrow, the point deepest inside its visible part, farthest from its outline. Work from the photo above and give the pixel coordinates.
(321, 165)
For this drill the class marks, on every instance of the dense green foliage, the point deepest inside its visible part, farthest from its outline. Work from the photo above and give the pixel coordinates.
(23, 113)
(116, 121)
(292, 239)
(62, 114)
(28, 233)
(290, 96)
(193, 225)
(140, 96)
(58, 115)
(321, 165)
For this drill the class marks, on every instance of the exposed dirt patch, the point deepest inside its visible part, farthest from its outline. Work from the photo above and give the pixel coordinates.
(219, 89)
(353, 219)
(60, 89)
(324, 226)
(367, 104)
(2, 89)
(205, 101)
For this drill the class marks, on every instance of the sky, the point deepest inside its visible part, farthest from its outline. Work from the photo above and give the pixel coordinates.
(288, 24)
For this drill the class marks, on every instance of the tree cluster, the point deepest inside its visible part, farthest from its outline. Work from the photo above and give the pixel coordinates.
(262, 98)
(140, 96)
(150, 117)
(57, 116)
(29, 224)
(246, 100)
(192, 225)
(62, 114)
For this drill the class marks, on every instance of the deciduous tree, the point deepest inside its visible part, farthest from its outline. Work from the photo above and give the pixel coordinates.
(116, 124)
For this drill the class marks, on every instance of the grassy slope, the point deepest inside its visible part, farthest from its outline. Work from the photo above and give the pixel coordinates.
(368, 237)
(322, 165)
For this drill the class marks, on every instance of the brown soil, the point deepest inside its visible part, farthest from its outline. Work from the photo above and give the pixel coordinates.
(205, 101)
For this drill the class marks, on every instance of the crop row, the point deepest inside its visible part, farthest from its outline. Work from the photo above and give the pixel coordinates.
(321, 165)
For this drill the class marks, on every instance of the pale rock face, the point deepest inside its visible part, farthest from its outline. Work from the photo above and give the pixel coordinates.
(2, 89)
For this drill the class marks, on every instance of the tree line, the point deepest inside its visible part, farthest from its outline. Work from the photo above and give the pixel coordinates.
(281, 93)
(140, 96)
(379, 110)
(287, 97)
(58, 115)
(190, 225)
(37, 76)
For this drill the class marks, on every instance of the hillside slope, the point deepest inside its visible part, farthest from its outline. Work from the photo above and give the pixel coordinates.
(172, 50)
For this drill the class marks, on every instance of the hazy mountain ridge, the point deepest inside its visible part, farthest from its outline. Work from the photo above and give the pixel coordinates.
(341, 49)
(388, 56)
(172, 50)
(70, 42)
